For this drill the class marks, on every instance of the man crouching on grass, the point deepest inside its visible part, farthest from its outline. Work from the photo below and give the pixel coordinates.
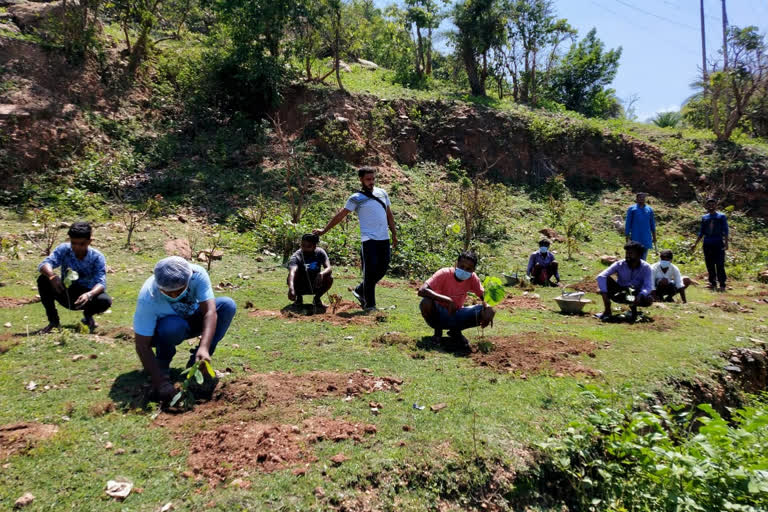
(175, 304)
(444, 294)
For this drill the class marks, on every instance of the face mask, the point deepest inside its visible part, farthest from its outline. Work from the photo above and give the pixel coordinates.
(462, 275)
(177, 299)
(544, 249)
(664, 264)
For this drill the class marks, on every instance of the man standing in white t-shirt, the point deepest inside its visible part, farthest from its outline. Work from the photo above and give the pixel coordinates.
(373, 211)
(667, 280)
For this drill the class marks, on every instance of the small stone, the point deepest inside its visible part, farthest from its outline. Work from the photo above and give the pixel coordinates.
(438, 407)
(119, 451)
(407, 428)
(26, 499)
(319, 492)
(732, 369)
(78, 357)
(108, 446)
(339, 459)
(167, 507)
(8, 325)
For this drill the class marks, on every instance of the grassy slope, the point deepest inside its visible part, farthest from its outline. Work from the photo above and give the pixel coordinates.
(510, 413)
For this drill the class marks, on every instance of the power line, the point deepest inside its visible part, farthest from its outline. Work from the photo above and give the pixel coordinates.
(653, 32)
(648, 13)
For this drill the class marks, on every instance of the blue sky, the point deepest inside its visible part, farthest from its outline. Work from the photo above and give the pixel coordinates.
(660, 39)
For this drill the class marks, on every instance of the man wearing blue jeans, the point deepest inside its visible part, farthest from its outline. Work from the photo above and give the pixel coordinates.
(175, 304)
(373, 211)
(714, 231)
(444, 295)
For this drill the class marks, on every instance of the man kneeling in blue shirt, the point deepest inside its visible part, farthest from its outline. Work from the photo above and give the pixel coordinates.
(176, 304)
(633, 277)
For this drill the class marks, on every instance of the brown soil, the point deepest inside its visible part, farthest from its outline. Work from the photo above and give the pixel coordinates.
(522, 302)
(16, 302)
(588, 285)
(534, 353)
(21, 437)
(216, 454)
(347, 313)
(247, 424)
(731, 306)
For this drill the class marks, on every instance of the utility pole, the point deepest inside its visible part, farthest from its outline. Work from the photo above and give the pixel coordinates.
(725, 37)
(703, 45)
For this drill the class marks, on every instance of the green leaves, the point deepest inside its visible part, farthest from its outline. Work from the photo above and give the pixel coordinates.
(70, 277)
(494, 290)
(193, 372)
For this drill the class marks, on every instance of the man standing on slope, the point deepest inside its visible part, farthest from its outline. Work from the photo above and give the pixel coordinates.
(373, 211)
(640, 224)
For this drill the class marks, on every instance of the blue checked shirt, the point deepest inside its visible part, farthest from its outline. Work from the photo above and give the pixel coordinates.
(92, 269)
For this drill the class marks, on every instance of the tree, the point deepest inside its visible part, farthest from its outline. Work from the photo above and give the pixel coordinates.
(732, 89)
(480, 26)
(579, 80)
(423, 15)
(533, 30)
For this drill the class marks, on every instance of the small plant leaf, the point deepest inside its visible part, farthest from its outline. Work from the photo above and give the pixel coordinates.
(199, 376)
(494, 291)
(208, 368)
(176, 398)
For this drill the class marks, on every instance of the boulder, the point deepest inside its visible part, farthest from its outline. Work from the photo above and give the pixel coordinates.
(367, 64)
(605, 259)
(762, 276)
(552, 235)
(178, 247)
(29, 15)
(342, 66)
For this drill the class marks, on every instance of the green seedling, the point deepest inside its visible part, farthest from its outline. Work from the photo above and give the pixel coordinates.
(335, 300)
(70, 277)
(185, 396)
(485, 346)
(494, 291)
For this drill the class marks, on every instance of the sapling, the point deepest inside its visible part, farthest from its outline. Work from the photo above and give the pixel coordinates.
(195, 371)
(335, 300)
(493, 295)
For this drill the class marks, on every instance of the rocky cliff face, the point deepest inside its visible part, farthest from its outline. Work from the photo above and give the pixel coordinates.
(512, 146)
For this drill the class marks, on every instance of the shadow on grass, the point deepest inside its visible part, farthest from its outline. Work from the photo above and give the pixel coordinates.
(132, 390)
(444, 345)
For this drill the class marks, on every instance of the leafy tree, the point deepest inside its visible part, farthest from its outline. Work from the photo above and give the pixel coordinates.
(732, 89)
(579, 80)
(481, 28)
(534, 35)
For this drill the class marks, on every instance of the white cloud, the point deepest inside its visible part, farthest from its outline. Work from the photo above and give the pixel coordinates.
(645, 116)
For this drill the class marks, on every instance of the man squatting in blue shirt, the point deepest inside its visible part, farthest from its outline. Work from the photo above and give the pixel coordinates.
(631, 272)
(88, 292)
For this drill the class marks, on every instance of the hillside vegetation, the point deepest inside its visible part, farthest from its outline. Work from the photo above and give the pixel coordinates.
(200, 127)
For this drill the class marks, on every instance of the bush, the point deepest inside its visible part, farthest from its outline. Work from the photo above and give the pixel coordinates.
(653, 457)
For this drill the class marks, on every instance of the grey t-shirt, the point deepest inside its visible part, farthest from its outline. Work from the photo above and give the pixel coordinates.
(312, 264)
(372, 215)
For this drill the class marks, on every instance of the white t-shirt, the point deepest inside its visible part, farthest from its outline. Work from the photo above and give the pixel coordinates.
(672, 275)
(372, 215)
(153, 305)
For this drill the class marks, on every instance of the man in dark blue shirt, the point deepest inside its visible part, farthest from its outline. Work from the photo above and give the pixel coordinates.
(309, 272)
(714, 231)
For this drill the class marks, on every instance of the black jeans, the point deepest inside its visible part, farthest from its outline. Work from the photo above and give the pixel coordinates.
(376, 256)
(714, 258)
(49, 296)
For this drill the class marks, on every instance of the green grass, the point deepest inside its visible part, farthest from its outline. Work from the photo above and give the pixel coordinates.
(509, 413)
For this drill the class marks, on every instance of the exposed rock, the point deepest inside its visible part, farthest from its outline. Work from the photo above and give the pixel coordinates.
(342, 66)
(762, 276)
(367, 64)
(179, 247)
(605, 259)
(552, 235)
(24, 500)
(29, 15)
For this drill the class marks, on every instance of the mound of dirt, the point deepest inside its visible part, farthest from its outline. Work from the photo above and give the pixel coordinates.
(522, 302)
(20, 437)
(347, 313)
(588, 285)
(216, 454)
(16, 302)
(241, 398)
(534, 353)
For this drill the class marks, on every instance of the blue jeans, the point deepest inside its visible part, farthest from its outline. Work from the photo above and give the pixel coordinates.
(172, 330)
(463, 318)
